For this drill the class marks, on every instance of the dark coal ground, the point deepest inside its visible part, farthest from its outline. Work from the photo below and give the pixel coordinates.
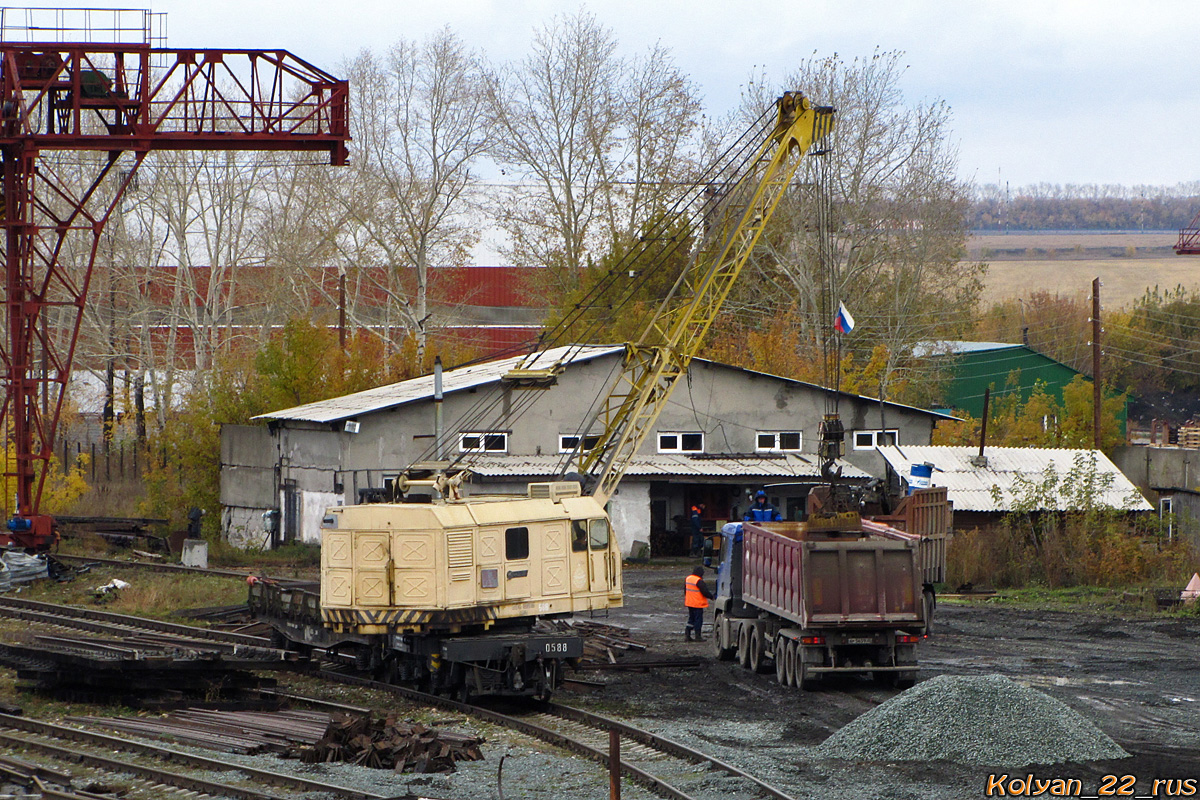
(1136, 676)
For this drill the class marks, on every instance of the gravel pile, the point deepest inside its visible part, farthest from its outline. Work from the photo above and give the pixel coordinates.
(972, 720)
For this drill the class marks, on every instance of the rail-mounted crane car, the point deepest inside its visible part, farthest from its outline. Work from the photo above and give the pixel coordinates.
(445, 593)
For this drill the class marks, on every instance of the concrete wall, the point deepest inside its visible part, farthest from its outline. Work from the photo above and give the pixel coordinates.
(248, 457)
(629, 510)
(243, 527)
(1159, 467)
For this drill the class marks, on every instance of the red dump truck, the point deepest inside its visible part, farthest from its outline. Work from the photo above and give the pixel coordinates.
(820, 602)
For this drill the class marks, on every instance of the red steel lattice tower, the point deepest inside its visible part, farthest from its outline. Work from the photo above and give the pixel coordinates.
(119, 100)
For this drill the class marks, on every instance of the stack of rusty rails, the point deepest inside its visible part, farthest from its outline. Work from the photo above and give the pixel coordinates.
(246, 732)
(136, 674)
(601, 643)
(395, 745)
(119, 531)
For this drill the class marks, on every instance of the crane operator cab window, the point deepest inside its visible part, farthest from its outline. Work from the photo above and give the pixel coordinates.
(516, 544)
(599, 534)
(579, 536)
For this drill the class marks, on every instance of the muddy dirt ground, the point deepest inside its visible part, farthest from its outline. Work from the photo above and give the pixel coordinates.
(1135, 675)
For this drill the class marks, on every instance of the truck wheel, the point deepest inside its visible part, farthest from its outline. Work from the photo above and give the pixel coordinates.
(720, 637)
(781, 676)
(928, 604)
(756, 650)
(744, 645)
(789, 657)
(806, 681)
(906, 680)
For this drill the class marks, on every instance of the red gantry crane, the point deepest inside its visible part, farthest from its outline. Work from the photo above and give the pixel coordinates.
(1189, 239)
(120, 100)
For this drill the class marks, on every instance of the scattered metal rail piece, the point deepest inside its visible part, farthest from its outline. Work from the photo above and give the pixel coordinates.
(176, 569)
(542, 729)
(14, 732)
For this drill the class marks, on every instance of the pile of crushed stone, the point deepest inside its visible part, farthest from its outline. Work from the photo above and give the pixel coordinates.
(972, 720)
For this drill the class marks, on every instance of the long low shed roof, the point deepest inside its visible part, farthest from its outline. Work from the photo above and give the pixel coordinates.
(473, 376)
(750, 469)
(970, 487)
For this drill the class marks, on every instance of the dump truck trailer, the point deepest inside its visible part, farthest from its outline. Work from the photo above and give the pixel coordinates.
(817, 603)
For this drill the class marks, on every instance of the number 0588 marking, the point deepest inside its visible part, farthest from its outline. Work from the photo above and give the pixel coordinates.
(556, 647)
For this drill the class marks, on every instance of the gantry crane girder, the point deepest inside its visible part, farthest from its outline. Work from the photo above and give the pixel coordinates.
(114, 99)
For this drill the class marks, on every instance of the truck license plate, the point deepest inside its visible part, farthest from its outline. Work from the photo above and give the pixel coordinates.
(860, 640)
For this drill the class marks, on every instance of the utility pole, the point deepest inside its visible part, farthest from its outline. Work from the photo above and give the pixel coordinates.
(342, 310)
(1096, 393)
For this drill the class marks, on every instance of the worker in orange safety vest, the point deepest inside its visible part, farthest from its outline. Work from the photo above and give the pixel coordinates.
(696, 596)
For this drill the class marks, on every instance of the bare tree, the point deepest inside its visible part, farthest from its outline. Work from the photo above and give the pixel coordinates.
(557, 114)
(878, 222)
(420, 127)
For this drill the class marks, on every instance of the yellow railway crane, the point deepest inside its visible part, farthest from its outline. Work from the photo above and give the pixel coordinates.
(445, 593)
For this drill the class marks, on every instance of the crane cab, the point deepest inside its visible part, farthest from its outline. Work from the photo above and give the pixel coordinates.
(469, 564)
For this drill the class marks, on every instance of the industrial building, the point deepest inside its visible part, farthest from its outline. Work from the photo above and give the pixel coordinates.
(726, 431)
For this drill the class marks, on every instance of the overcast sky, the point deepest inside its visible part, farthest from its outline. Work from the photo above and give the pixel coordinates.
(1096, 92)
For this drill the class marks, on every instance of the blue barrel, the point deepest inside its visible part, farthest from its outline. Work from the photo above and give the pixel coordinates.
(919, 477)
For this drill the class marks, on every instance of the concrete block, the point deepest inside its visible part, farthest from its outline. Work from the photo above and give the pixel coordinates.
(195, 553)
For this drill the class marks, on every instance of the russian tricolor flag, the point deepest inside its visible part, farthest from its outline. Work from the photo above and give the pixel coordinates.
(843, 322)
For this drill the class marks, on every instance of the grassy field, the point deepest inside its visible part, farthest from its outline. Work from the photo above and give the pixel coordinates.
(1122, 280)
(1065, 263)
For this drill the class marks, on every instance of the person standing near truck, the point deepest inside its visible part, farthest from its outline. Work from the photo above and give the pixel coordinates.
(696, 595)
(762, 511)
(697, 521)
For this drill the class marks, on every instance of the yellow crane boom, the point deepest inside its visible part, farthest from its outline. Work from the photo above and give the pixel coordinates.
(654, 364)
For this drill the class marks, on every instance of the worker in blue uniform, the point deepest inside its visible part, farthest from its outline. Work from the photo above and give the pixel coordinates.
(762, 511)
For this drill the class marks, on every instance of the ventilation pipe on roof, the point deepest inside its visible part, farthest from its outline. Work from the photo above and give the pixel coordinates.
(980, 460)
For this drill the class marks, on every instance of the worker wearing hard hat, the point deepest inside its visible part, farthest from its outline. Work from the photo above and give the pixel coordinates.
(761, 510)
(696, 595)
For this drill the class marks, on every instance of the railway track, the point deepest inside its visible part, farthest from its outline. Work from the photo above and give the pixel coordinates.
(664, 766)
(137, 769)
(108, 623)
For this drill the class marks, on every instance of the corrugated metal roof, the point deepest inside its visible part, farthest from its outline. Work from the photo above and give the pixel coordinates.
(950, 347)
(453, 380)
(970, 487)
(745, 468)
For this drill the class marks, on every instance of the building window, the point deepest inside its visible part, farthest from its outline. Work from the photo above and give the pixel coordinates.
(516, 544)
(483, 442)
(681, 442)
(869, 440)
(567, 444)
(1166, 513)
(778, 442)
